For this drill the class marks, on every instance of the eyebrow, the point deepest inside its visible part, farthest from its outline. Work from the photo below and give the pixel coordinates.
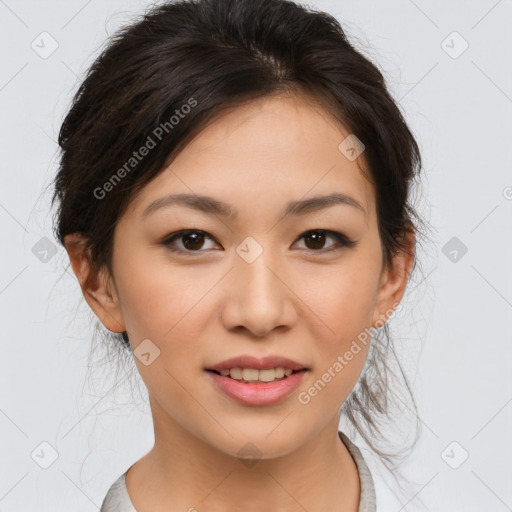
(213, 206)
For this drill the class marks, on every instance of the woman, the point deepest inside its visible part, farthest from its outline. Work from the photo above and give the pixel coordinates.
(233, 196)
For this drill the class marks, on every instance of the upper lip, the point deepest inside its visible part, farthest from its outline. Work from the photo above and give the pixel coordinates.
(263, 363)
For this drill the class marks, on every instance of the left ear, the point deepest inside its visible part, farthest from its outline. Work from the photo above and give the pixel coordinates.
(393, 282)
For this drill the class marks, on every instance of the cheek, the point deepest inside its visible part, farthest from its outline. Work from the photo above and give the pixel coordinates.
(164, 305)
(342, 297)
(162, 302)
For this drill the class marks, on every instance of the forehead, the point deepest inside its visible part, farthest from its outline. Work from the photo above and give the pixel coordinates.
(271, 150)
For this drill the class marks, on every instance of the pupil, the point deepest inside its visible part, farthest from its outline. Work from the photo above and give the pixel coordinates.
(196, 238)
(318, 239)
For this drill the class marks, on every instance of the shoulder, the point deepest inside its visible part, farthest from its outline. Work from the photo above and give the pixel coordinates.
(117, 498)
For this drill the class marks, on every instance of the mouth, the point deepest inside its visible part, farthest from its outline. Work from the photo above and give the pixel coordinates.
(252, 387)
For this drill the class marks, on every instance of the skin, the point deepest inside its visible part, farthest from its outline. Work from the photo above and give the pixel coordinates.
(295, 300)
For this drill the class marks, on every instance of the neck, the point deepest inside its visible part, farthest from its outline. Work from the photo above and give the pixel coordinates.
(185, 472)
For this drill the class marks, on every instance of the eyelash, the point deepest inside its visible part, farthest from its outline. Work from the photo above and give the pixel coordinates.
(343, 241)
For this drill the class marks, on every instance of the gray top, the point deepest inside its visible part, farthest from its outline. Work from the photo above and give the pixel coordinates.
(118, 499)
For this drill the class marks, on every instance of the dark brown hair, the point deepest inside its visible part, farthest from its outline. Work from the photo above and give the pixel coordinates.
(167, 75)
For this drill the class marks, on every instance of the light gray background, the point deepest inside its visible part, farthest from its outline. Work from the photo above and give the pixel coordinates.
(455, 340)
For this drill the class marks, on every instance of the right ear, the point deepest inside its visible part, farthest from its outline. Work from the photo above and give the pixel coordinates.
(96, 285)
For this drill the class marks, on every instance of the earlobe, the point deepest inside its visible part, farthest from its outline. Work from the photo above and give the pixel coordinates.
(96, 285)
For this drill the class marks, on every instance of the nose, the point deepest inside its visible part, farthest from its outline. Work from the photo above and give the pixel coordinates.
(259, 298)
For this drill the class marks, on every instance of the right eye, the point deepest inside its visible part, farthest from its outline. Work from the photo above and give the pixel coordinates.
(191, 240)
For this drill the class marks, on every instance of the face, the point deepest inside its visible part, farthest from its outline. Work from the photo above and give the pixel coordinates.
(255, 281)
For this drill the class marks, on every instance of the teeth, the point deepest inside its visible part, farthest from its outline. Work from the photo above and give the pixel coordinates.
(253, 375)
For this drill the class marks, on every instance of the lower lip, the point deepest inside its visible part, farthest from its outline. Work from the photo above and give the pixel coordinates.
(250, 393)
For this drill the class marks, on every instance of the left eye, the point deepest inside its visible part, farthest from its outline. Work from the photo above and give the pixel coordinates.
(318, 237)
(193, 240)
